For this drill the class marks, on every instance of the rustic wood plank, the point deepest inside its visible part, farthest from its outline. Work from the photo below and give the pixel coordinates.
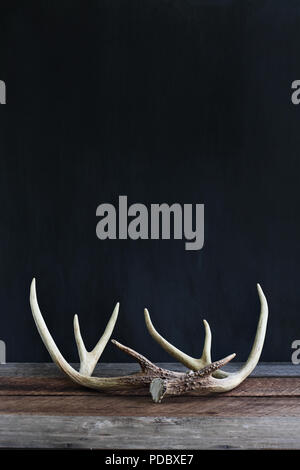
(41, 408)
(269, 369)
(41, 386)
(148, 433)
(101, 405)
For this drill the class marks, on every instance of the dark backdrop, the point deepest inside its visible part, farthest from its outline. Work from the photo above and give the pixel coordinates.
(183, 101)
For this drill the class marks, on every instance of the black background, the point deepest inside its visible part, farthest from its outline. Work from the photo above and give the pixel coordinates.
(184, 101)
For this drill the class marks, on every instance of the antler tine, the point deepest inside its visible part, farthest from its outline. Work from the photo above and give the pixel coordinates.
(48, 341)
(259, 337)
(146, 365)
(235, 378)
(89, 359)
(188, 361)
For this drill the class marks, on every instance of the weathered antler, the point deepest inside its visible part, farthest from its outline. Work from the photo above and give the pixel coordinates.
(229, 380)
(88, 360)
(162, 382)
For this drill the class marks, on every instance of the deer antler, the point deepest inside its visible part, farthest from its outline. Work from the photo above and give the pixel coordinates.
(229, 380)
(162, 382)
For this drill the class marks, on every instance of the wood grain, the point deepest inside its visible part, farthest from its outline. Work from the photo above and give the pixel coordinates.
(252, 387)
(44, 409)
(141, 406)
(58, 432)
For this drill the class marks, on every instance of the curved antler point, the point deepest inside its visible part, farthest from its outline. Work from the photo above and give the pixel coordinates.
(116, 309)
(32, 285)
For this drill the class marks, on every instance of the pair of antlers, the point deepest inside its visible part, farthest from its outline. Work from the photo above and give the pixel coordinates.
(205, 376)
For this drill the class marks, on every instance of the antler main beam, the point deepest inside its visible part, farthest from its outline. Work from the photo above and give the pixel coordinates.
(162, 382)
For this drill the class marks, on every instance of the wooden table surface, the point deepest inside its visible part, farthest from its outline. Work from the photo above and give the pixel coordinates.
(40, 408)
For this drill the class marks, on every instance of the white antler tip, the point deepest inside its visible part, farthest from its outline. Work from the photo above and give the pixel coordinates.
(146, 314)
(260, 292)
(116, 310)
(230, 357)
(207, 331)
(33, 289)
